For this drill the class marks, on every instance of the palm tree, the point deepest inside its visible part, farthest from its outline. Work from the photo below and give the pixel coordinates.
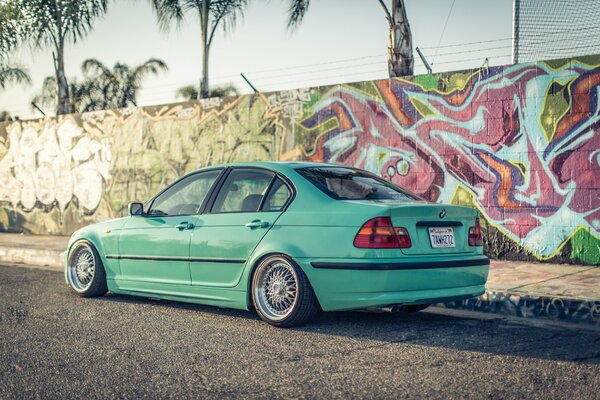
(190, 92)
(102, 88)
(211, 13)
(78, 95)
(118, 88)
(400, 53)
(12, 74)
(52, 23)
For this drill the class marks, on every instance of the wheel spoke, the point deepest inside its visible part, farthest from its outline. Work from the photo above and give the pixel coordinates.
(82, 269)
(277, 289)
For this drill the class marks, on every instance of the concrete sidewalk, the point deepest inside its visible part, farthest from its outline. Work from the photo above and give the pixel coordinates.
(530, 290)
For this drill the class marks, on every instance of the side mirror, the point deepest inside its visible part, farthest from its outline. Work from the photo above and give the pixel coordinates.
(136, 209)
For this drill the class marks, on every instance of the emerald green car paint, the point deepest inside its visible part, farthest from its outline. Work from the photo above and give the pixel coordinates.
(208, 258)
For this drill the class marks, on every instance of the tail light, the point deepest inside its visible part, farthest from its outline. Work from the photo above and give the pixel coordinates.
(475, 236)
(379, 233)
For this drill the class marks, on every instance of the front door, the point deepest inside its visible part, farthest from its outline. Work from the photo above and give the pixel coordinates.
(246, 207)
(156, 247)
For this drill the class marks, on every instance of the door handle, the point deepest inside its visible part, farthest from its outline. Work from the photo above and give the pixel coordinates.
(184, 225)
(257, 223)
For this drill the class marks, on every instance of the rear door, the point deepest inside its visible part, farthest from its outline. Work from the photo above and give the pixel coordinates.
(242, 212)
(156, 247)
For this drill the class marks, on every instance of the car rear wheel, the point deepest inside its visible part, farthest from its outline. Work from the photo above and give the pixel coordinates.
(85, 271)
(281, 293)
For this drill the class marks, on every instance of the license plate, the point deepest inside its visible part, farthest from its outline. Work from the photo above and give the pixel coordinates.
(441, 237)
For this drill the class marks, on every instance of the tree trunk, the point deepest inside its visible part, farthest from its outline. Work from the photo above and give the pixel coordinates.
(400, 52)
(61, 82)
(203, 92)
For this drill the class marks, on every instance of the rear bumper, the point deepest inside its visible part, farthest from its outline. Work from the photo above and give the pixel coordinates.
(342, 284)
(381, 266)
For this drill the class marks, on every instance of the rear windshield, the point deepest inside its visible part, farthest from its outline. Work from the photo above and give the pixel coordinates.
(351, 184)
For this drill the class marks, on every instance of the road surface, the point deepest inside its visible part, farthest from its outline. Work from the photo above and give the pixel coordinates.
(54, 344)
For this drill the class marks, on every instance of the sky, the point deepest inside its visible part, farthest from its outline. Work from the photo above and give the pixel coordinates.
(338, 41)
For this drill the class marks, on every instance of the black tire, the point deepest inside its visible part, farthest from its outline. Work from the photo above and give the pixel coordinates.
(304, 307)
(415, 308)
(83, 253)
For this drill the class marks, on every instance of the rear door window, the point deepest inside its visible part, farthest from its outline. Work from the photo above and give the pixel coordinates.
(243, 191)
(278, 196)
(351, 184)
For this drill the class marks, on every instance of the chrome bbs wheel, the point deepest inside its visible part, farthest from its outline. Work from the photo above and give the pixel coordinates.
(281, 292)
(85, 272)
(82, 268)
(276, 291)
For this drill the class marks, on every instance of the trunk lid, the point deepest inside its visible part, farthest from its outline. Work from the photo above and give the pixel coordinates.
(435, 229)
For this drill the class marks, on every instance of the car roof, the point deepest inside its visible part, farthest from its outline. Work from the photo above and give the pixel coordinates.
(280, 166)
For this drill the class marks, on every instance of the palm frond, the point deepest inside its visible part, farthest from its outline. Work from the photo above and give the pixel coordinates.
(187, 93)
(224, 90)
(152, 66)
(47, 96)
(9, 27)
(78, 16)
(92, 68)
(169, 12)
(13, 74)
(225, 13)
(46, 22)
(296, 11)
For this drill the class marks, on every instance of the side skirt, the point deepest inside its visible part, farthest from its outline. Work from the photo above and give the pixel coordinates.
(220, 297)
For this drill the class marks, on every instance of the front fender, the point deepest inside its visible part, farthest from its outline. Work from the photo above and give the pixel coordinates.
(105, 239)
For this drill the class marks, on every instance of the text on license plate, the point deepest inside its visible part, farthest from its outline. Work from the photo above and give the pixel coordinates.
(441, 237)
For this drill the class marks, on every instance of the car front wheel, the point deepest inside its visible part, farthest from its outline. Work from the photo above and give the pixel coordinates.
(85, 271)
(282, 294)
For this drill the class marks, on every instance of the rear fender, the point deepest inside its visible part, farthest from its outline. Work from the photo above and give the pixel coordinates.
(263, 250)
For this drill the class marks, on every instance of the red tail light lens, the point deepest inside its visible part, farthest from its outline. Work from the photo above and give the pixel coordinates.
(403, 238)
(379, 233)
(475, 236)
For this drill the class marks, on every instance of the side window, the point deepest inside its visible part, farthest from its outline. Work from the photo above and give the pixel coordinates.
(185, 196)
(243, 191)
(277, 197)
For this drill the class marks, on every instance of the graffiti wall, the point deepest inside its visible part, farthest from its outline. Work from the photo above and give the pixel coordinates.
(521, 143)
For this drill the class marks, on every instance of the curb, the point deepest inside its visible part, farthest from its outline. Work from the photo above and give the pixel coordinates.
(52, 259)
(528, 306)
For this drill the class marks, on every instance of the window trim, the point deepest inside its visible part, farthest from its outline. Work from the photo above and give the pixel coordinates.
(201, 208)
(208, 207)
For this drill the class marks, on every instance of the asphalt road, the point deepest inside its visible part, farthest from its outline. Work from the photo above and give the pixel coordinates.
(54, 344)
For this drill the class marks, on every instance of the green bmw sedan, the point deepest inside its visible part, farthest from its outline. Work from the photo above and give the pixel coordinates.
(286, 239)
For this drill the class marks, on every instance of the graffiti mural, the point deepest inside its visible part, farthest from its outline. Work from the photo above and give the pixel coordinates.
(62, 174)
(521, 143)
(53, 168)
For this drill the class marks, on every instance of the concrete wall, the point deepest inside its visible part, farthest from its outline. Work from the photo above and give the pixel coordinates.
(521, 143)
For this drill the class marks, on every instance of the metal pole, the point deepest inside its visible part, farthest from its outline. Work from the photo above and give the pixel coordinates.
(37, 108)
(424, 60)
(516, 27)
(248, 82)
